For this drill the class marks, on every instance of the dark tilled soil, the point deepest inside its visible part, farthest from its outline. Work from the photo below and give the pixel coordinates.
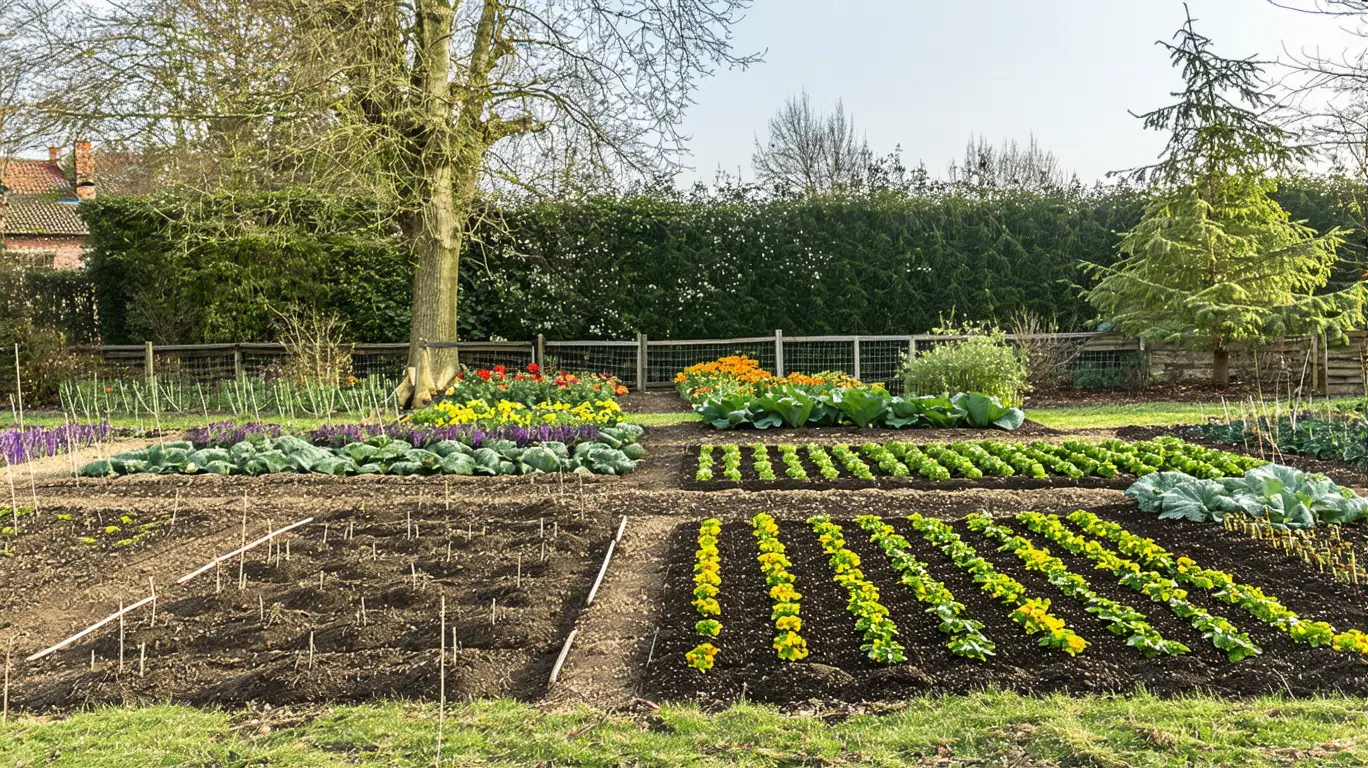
(285, 637)
(837, 670)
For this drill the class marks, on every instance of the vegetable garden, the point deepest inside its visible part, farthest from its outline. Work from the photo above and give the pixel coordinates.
(875, 607)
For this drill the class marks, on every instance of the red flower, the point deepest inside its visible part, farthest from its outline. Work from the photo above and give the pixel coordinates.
(499, 369)
(533, 368)
(460, 376)
(482, 373)
(621, 390)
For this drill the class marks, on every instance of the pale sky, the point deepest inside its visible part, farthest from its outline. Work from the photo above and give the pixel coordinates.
(928, 73)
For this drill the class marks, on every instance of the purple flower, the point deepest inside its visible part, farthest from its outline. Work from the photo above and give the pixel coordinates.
(226, 434)
(338, 435)
(20, 445)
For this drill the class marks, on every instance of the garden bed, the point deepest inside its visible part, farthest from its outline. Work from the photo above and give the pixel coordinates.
(837, 670)
(513, 577)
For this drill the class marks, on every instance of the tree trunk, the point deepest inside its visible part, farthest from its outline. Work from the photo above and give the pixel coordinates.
(436, 236)
(1220, 366)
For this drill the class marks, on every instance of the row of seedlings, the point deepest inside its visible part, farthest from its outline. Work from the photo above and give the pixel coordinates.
(1222, 586)
(984, 458)
(785, 611)
(1121, 619)
(966, 635)
(707, 586)
(1154, 585)
(877, 631)
(1032, 613)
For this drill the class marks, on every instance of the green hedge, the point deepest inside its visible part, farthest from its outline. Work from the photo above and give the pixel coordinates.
(178, 268)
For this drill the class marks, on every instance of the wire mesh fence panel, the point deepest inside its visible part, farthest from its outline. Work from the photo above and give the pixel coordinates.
(810, 356)
(664, 359)
(194, 365)
(510, 358)
(386, 363)
(616, 357)
(881, 361)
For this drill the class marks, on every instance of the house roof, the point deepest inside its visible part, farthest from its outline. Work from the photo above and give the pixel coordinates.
(42, 217)
(34, 177)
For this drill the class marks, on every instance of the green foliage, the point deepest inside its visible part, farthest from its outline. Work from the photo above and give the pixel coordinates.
(44, 311)
(1285, 497)
(984, 362)
(262, 455)
(1215, 258)
(860, 406)
(184, 267)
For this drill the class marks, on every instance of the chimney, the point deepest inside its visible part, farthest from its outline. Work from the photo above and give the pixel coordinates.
(54, 154)
(85, 170)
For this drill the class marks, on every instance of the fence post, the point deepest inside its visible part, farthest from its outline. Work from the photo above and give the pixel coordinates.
(1324, 363)
(641, 362)
(541, 350)
(858, 377)
(911, 348)
(237, 361)
(779, 353)
(148, 369)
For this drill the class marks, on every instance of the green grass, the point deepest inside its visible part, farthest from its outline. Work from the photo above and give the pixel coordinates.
(991, 727)
(1158, 414)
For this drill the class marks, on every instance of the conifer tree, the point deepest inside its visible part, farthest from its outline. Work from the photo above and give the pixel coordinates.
(1215, 260)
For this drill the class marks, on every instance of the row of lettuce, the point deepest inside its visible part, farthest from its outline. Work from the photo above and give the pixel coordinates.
(1157, 576)
(972, 460)
(735, 392)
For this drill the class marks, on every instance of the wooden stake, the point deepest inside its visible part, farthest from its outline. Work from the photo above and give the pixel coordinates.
(363, 610)
(153, 584)
(261, 609)
(441, 686)
(311, 649)
(560, 660)
(493, 610)
(121, 637)
(230, 555)
(142, 659)
(518, 582)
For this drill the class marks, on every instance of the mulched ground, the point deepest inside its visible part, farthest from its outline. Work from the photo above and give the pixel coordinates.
(837, 670)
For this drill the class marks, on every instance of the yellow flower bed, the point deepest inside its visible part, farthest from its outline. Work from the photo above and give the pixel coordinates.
(507, 412)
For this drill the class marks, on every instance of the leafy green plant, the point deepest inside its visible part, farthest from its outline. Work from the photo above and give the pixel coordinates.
(1285, 497)
(1157, 587)
(784, 597)
(1031, 613)
(982, 362)
(966, 635)
(871, 617)
(1121, 619)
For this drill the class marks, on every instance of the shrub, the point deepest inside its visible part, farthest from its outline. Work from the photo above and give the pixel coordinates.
(983, 362)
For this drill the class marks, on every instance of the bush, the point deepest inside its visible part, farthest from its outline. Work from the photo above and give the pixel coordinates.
(984, 362)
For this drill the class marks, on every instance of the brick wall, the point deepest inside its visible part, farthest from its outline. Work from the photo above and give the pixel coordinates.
(65, 251)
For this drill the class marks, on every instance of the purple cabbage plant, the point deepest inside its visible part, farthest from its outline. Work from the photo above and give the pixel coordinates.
(20, 445)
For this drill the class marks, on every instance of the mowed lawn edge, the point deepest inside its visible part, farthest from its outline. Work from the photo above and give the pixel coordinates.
(1137, 730)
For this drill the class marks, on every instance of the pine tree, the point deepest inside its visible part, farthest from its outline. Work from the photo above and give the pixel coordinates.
(1215, 260)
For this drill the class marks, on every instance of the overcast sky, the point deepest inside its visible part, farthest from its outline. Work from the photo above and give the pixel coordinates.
(928, 73)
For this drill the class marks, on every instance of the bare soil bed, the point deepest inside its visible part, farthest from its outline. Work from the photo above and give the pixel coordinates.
(284, 624)
(837, 671)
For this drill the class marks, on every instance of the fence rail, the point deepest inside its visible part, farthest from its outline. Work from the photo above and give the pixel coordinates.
(1099, 358)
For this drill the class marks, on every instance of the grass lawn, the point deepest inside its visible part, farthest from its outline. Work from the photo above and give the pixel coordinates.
(996, 728)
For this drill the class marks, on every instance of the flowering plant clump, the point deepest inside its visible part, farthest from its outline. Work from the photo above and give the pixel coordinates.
(225, 434)
(486, 413)
(20, 445)
(339, 435)
(739, 374)
(531, 386)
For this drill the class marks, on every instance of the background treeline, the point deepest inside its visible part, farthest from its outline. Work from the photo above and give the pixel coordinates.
(178, 268)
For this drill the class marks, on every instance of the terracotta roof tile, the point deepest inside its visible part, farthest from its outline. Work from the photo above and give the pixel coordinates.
(34, 177)
(40, 217)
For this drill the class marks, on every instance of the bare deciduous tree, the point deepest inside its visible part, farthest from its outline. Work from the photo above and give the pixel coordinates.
(1010, 167)
(811, 152)
(426, 104)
